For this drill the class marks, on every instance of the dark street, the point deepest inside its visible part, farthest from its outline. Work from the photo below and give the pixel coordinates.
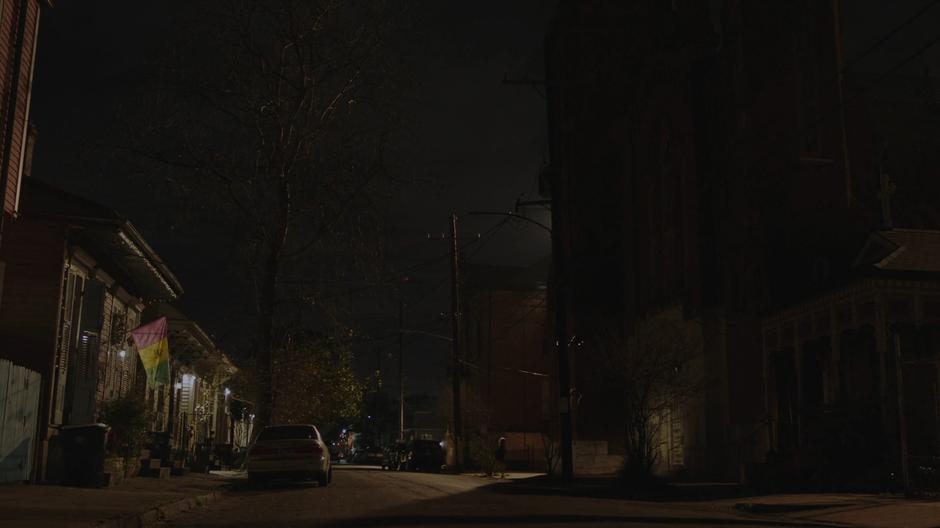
(369, 497)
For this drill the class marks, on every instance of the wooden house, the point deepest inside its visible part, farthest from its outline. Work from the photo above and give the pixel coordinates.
(198, 415)
(852, 374)
(19, 26)
(77, 278)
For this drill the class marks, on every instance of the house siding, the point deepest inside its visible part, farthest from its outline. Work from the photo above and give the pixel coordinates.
(16, 110)
(32, 290)
(29, 315)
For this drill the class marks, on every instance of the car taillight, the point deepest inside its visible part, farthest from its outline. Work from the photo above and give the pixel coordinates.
(313, 449)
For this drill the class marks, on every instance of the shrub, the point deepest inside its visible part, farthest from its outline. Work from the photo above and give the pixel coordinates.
(481, 452)
(129, 419)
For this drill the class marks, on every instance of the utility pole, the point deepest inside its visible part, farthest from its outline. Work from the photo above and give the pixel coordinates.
(455, 344)
(561, 342)
(401, 370)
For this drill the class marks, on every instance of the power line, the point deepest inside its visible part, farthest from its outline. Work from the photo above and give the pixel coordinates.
(907, 60)
(492, 231)
(505, 331)
(897, 29)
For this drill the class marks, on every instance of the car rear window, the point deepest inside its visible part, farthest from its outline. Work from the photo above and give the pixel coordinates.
(288, 432)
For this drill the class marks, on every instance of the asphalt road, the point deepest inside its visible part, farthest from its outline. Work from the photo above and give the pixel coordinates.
(369, 497)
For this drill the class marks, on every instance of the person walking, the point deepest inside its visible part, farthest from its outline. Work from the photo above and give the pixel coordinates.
(499, 469)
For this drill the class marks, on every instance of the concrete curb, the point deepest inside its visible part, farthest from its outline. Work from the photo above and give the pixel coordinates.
(761, 508)
(164, 512)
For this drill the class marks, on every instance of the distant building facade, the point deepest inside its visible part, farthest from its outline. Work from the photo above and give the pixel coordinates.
(509, 387)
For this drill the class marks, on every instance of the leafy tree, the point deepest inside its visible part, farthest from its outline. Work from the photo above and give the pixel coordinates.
(314, 382)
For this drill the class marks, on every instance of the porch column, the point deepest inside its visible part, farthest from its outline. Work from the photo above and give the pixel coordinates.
(881, 348)
(835, 355)
(767, 388)
(798, 361)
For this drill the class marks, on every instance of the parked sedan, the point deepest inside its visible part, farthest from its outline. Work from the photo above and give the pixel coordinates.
(290, 451)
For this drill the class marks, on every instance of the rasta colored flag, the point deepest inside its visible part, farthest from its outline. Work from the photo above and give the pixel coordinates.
(154, 350)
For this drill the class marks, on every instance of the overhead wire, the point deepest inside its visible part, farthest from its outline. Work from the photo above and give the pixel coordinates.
(888, 36)
(802, 133)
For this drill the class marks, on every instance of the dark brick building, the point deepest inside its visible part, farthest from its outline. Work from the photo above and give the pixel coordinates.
(713, 160)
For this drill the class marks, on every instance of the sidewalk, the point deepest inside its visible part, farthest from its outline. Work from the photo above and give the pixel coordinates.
(844, 509)
(831, 509)
(128, 505)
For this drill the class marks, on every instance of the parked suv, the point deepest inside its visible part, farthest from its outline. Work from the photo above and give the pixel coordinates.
(368, 455)
(423, 455)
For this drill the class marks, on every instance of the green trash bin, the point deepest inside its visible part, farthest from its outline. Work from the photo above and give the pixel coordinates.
(84, 448)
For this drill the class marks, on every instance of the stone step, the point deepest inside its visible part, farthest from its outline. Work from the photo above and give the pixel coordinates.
(132, 470)
(160, 472)
(112, 479)
(114, 471)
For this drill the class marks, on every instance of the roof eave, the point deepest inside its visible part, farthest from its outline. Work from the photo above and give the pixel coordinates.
(166, 276)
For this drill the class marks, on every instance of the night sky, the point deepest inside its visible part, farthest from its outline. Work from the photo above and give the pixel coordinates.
(470, 143)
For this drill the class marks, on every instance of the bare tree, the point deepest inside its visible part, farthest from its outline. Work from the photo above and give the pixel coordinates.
(276, 116)
(648, 372)
(551, 447)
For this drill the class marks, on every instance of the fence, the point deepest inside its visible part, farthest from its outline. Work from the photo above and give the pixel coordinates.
(19, 409)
